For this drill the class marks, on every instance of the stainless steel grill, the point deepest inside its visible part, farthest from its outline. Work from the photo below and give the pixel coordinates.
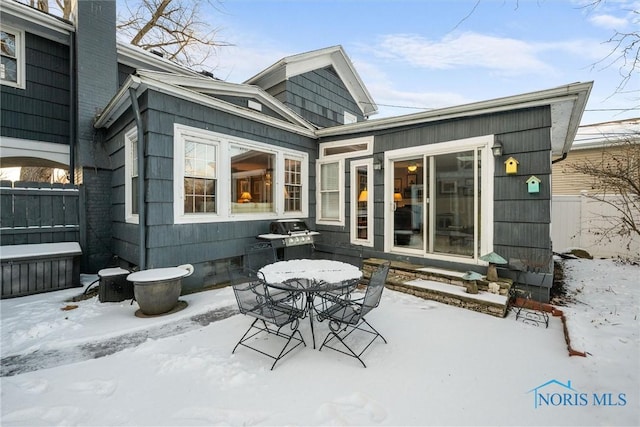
(288, 233)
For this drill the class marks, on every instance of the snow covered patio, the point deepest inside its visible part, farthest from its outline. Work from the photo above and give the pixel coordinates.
(99, 364)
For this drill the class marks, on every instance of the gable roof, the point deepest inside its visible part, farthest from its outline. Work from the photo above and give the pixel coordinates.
(335, 57)
(199, 89)
(567, 104)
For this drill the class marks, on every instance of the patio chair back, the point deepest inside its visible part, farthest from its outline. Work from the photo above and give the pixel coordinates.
(258, 255)
(347, 252)
(347, 316)
(374, 289)
(254, 300)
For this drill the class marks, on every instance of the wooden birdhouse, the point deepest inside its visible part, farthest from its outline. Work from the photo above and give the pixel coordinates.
(533, 184)
(511, 166)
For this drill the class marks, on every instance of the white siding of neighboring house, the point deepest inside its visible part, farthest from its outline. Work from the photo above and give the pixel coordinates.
(576, 218)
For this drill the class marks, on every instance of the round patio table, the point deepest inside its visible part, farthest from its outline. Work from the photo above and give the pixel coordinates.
(310, 276)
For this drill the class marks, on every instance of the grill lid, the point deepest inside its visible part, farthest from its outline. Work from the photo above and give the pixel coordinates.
(288, 226)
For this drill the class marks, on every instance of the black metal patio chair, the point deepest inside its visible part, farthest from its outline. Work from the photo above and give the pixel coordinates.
(258, 255)
(346, 315)
(271, 316)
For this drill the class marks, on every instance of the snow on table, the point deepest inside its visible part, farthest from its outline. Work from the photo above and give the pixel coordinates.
(312, 269)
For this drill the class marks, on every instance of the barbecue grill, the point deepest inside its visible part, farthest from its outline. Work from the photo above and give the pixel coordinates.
(291, 237)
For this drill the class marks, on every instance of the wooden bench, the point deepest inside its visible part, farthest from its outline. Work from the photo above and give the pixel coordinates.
(33, 268)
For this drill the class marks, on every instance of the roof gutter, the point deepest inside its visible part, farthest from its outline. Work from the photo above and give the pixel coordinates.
(533, 99)
(118, 104)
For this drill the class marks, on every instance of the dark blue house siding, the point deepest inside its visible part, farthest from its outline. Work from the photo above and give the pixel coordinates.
(124, 71)
(521, 220)
(168, 244)
(320, 97)
(41, 111)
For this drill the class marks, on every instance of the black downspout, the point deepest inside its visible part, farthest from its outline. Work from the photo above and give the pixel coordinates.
(559, 159)
(141, 207)
(72, 108)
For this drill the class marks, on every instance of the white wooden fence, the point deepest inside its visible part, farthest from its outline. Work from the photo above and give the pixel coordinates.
(574, 224)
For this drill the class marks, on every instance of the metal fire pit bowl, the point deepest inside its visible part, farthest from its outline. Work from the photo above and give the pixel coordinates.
(157, 290)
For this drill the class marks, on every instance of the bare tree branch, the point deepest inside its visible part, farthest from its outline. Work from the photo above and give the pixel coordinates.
(615, 181)
(172, 27)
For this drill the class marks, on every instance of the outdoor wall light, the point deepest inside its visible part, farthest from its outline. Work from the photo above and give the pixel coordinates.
(377, 165)
(497, 149)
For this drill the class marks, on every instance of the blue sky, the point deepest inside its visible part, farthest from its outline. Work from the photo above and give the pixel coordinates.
(433, 54)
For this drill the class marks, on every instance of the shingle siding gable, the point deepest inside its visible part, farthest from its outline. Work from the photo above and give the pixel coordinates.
(41, 110)
(320, 97)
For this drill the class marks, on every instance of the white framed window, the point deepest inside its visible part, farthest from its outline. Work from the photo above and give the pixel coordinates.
(355, 147)
(218, 177)
(292, 184)
(330, 185)
(349, 118)
(131, 176)
(12, 57)
(362, 202)
(199, 181)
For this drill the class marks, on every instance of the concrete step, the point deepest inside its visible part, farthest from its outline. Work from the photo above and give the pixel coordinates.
(445, 286)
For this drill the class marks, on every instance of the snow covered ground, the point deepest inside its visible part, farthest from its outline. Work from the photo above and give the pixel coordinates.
(99, 364)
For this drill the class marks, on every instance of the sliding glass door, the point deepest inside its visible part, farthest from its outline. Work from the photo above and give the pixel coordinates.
(437, 201)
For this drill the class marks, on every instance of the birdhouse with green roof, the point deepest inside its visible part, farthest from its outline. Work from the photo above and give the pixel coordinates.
(533, 184)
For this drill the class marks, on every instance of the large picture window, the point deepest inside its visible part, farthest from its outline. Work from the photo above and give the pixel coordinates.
(252, 175)
(12, 57)
(223, 178)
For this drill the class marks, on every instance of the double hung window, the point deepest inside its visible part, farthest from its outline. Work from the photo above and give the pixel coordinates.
(131, 175)
(12, 57)
(331, 184)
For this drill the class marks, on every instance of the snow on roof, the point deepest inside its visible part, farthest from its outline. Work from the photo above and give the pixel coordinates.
(599, 134)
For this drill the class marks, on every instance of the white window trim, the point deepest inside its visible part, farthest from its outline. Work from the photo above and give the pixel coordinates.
(338, 158)
(20, 82)
(354, 202)
(304, 181)
(340, 220)
(130, 137)
(346, 142)
(488, 166)
(223, 195)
